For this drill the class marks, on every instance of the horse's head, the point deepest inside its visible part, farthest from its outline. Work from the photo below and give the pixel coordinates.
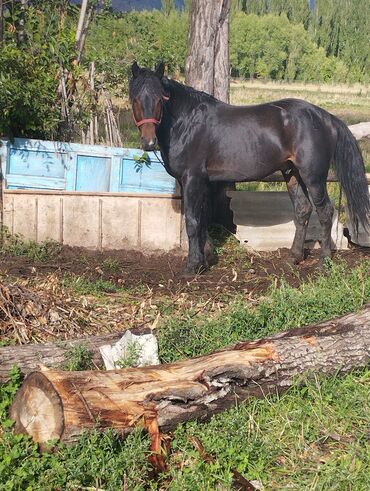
(147, 97)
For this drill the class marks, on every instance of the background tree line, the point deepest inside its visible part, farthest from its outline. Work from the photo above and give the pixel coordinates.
(340, 27)
(272, 39)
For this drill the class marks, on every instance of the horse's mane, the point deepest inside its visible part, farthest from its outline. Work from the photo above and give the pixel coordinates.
(187, 94)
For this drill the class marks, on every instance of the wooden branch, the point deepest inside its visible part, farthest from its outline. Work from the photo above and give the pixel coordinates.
(56, 404)
(30, 357)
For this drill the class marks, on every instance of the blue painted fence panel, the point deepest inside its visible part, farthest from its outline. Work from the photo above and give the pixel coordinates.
(93, 173)
(151, 178)
(37, 164)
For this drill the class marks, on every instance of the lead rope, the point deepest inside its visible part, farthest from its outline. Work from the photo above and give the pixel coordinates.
(159, 159)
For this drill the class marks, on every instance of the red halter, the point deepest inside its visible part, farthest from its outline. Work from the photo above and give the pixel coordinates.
(149, 120)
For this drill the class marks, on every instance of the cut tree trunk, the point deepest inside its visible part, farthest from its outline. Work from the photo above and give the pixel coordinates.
(56, 404)
(30, 357)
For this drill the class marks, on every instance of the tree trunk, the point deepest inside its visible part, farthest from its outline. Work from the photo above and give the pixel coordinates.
(30, 357)
(1, 22)
(207, 69)
(56, 404)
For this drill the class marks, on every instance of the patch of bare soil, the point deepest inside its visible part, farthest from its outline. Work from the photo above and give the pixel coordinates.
(234, 271)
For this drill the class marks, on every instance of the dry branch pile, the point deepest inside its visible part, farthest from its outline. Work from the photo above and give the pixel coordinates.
(43, 311)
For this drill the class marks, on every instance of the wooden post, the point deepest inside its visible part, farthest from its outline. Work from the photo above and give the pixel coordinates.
(81, 22)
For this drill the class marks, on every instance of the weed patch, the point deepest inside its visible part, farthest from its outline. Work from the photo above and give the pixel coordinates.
(79, 357)
(16, 245)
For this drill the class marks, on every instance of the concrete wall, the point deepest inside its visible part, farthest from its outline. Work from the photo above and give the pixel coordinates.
(96, 221)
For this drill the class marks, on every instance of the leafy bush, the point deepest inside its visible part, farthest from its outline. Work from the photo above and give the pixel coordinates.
(28, 89)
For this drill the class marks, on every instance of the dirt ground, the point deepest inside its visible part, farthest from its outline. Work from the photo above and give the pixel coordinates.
(77, 293)
(237, 270)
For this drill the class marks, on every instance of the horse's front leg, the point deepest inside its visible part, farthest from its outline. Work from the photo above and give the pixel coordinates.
(195, 193)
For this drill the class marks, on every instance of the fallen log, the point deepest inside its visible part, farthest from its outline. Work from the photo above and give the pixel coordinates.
(56, 404)
(360, 130)
(31, 357)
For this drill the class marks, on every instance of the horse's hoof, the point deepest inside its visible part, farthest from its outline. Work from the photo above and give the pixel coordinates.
(295, 260)
(191, 271)
(211, 260)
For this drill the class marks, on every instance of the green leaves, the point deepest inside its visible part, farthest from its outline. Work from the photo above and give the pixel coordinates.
(141, 161)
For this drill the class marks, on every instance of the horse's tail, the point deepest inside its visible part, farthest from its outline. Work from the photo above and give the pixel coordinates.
(350, 170)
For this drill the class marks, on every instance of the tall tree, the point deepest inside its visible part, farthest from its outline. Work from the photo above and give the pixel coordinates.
(207, 68)
(207, 63)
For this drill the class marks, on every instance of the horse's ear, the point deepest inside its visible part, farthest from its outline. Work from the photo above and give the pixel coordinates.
(135, 69)
(160, 71)
(166, 87)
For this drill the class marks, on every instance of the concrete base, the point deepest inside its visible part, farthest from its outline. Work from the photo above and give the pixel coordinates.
(95, 221)
(265, 221)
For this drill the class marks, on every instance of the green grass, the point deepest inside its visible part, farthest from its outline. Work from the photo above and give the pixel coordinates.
(85, 286)
(335, 292)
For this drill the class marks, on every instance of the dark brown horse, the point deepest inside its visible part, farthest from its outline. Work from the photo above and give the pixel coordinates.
(203, 140)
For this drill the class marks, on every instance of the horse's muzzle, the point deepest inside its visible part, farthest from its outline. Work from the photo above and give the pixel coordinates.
(150, 145)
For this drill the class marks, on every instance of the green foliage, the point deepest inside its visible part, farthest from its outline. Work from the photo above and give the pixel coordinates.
(141, 161)
(268, 46)
(272, 47)
(148, 37)
(30, 64)
(335, 292)
(28, 105)
(7, 393)
(78, 357)
(16, 245)
(342, 30)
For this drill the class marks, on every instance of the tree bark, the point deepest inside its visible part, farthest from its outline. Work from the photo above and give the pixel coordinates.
(56, 404)
(30, 357)
(207, 62)
(207, 69)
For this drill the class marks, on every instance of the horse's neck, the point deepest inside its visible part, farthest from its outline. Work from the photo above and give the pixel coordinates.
(183, 101)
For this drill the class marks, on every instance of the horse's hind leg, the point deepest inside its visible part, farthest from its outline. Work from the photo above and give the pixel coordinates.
(324, 207)
(302, 211)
